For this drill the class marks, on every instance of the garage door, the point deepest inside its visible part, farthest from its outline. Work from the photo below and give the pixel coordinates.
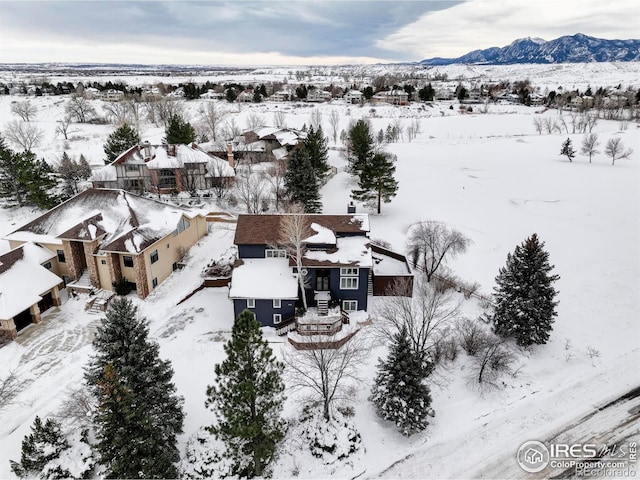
(46, 303)
(22, 320)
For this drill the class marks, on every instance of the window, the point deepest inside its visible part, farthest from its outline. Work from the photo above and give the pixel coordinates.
(251, 303)
(174, 267)
(127, 261)
(277, 318)
(348, 283)
(47, 265)
(154, 282)
(166, 178)
(154, 256)
(134, 184)
(350, 305)
(275, 253)
(61, 258)
(131, 168)
(277, 303)
(349, 278)
(349, 272)
(168, 245)
(103, 262)
(183, 224)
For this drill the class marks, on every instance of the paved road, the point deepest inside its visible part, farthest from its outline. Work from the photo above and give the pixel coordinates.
(616, 423)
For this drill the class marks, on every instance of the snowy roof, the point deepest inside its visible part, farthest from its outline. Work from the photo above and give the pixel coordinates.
(265, 229)
(123, 221)
(280, 153)
(388, 265)
(323, 235)
(21, 267)
(264, 278)
(350, 251)
(105, 174)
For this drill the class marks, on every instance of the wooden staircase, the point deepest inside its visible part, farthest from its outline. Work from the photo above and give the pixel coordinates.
(323, 307)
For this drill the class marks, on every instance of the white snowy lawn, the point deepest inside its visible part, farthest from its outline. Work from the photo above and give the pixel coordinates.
(488, 175)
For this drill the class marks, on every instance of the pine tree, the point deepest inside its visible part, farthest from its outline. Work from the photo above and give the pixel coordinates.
(301, 183)
(359, 146)
(24, 179)
(73, 172)
(568, 150)
(376, 183)
(524, 295)
(122, 139)
(133, 385)
(179, 131)
(315, 145)
(247, 397)
(42, 446)
(399, 392)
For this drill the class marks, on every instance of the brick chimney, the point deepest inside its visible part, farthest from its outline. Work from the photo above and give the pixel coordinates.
(351, 208)
(232, 163)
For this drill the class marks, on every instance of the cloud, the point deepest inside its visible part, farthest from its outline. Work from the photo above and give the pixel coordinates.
(479, 24)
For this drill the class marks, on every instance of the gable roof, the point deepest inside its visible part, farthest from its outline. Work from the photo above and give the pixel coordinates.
(122, 221)
(265, 229)
(21, 267)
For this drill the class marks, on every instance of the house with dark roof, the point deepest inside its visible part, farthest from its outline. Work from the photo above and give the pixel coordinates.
(28, 287)
(164, 169)
(102, 236)
(338, 266)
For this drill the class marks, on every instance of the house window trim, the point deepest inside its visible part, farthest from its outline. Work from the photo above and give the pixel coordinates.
(353, 302)
(61, 257)
(124, 261)
(349, 271)
(277, 303)
(275, 253)
(251, 303)
(154, 282)
(277, 316)
(152, 255)
(349, 283)
(48, 265)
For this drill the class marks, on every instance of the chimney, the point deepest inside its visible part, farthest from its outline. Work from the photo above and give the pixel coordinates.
(351, 208)
(147, 149)
(230, 155)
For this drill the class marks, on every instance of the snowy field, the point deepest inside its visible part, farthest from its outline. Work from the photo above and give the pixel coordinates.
(490, 176)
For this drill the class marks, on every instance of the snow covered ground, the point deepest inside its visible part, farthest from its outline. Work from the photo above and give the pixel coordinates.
(489, 175)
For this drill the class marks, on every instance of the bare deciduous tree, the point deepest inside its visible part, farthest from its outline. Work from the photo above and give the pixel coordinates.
(80, 109)
(10, 386)
(413, 130)
(278, 119)
(211, 115)
(63, 128)
(275, 176)
(78, 406)
(24, 109)
(334, 123)
(252, 190)
(23, 134)
(327, 373)
(220, 182)
(589, 144)
(230, 129)
(118, 112)
(254, 120)
(615, 150)
(294, 229)
(315, 119)
(427, 315)
(493, 360)
(538, 124)
(431, 243)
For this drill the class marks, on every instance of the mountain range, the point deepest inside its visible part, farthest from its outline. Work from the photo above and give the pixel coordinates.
(577, 48)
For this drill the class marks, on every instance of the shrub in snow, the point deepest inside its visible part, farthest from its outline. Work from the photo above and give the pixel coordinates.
(399, 392)
(204, 457)
(524, 295)
(329, 441)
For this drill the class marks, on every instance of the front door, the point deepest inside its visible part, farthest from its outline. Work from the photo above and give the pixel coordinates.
(322, 280)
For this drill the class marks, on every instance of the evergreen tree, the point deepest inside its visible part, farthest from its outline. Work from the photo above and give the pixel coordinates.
(73, 172)
(247, 397)
(359, 146)
(24, 179)
(122, 139)
(39, 450)
(376, 183)
(316, 148)
(257, 96)
(178, 131)
(140, 414)
(301, 183)
(568, 150)
(399, 392)
(426, 93)
(524, 295)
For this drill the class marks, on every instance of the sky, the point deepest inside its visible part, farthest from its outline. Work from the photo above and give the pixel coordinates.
(293, 32)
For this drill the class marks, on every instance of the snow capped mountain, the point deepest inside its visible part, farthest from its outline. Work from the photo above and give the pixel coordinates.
(577, 48)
